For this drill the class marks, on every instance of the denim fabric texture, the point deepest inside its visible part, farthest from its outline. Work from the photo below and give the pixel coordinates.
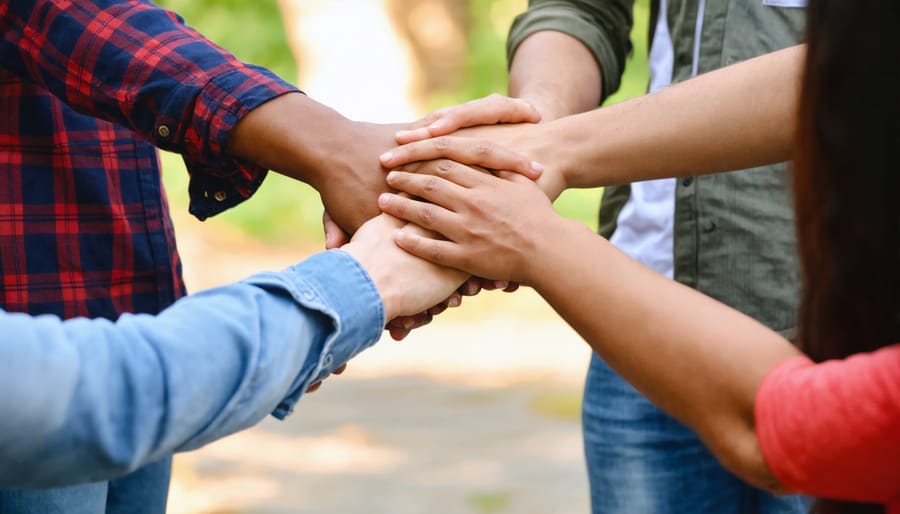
(641, 460)
(112, 397)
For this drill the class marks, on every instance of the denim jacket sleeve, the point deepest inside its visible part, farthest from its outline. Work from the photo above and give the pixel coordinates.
(87, 400)
(137, 65)
(603, 26)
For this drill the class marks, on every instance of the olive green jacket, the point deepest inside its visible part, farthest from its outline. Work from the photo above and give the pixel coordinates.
(734, 232)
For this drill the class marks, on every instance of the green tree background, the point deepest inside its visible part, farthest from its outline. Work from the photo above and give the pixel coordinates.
(283, 211)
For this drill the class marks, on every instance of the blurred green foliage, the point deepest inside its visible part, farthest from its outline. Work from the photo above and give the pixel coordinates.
(253, 31)
(282, 210)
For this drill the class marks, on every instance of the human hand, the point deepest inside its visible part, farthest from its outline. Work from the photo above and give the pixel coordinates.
(354, 178)
(404, 325)
(408, 285)
(494, 148)
(335, 237)
(490, 110)
(493, 225)
(400, 327)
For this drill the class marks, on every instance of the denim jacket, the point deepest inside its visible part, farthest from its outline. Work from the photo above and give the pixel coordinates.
(88, 400)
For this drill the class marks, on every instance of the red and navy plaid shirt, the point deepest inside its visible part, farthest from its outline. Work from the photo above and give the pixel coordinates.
(87, 90)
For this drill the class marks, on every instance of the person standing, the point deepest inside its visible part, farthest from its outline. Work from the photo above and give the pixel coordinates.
(730, 236)
(88, 90)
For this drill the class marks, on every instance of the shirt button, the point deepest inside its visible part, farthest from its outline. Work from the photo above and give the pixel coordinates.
(163, 131)
(687, 181)
(326, 362)
(709, 226)
(220, 196)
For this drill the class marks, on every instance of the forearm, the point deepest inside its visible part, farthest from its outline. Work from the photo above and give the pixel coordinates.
(735, 118)
(115, 396)
(293, 135)
(305, 140)
(697, 359)
(556, 74)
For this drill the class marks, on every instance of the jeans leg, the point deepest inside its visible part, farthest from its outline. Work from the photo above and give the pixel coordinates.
(640, 460)
(79, 499)
(144, 491)
(772, 504)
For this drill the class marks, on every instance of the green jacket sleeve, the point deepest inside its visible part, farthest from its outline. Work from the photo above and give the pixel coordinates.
(604, 26)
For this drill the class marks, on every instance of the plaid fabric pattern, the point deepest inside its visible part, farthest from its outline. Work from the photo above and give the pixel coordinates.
(88, 89)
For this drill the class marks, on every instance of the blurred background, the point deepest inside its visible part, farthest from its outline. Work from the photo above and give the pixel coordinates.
(477, 413)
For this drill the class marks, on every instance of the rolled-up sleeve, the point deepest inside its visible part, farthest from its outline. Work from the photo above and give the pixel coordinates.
(603, 26)
(140, 66)
(88, 400)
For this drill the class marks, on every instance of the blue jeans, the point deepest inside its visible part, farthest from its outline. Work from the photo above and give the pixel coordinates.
(641, 460)
(142, 492)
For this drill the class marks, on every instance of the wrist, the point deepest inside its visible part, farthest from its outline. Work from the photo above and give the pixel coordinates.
(291, 135)
(551, 250)
(531, 141)
(550, 106)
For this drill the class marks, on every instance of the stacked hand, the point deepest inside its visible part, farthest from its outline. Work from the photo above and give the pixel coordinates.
(485, 113)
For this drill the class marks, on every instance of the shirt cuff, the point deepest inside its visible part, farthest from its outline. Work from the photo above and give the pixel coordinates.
(563, 19)
(336, 285)
(218, 180)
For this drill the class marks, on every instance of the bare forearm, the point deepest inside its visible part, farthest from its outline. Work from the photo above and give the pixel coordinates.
(735, 118)
(694, 357)
(305, 140)
(556, 73)
(290, 135)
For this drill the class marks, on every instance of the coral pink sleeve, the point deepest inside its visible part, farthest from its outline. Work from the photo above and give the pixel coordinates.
(832, 430)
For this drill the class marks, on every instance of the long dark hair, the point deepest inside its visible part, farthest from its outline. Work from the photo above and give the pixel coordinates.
(847, 185)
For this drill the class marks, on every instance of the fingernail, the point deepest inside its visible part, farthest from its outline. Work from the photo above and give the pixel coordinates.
(391, 175)
(384, 199)
(537, 167)
(408, 324)
(454, 301)
(399, 235)
(500, 284)
(386, 156)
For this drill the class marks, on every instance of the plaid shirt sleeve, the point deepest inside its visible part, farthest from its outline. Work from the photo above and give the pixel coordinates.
(135, 64)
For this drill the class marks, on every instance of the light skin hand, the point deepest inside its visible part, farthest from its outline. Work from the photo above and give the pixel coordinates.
(490, 110)
(484, 237)
(407, 285)
(508, 150)
(402, 326)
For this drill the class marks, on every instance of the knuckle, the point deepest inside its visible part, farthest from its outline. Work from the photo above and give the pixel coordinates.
(442, 167)
(429, 185)
(435, 253)
(441, 144)
(482, 149)
(428, 216)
